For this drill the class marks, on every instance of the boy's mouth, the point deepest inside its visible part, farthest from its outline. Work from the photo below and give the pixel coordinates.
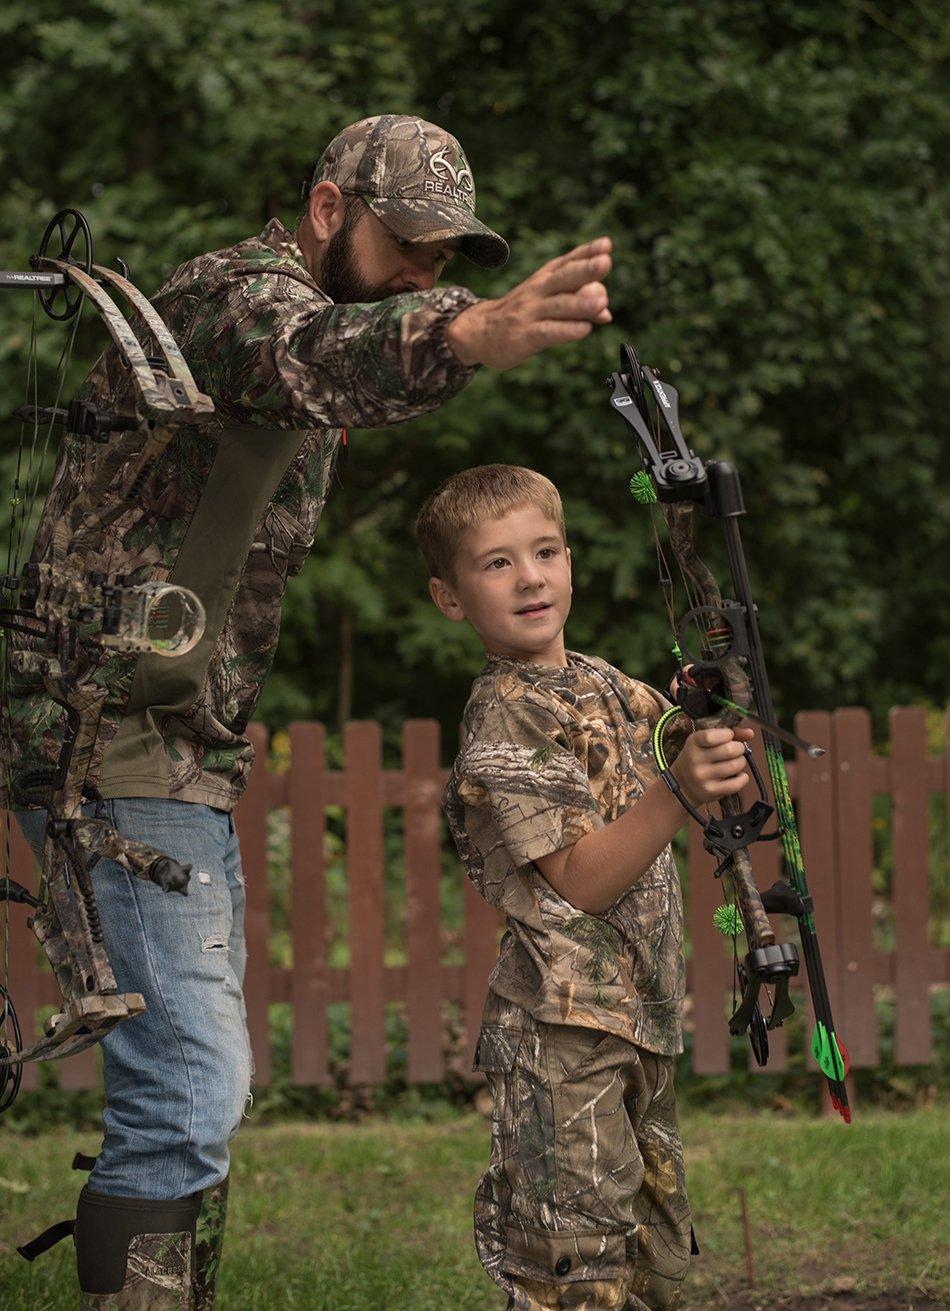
(534, 607)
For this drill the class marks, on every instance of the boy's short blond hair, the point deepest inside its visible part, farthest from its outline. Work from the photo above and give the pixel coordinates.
(472, 497)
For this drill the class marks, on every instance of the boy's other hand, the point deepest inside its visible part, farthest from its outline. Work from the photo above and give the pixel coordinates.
(561, 301)
(712, 764)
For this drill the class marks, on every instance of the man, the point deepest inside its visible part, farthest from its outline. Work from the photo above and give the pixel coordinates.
(295, 336)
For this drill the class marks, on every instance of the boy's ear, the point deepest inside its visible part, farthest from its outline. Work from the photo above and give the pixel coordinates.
(445, 598)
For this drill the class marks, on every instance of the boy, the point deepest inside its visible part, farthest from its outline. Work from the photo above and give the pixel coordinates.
(561, 820)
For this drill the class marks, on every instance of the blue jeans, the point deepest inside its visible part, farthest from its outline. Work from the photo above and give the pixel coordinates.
(176, 1078)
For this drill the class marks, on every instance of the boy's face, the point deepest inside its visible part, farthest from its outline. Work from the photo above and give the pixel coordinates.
(513, 585)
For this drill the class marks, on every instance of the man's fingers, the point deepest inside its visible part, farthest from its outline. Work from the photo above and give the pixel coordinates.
(600, 246)
(551, 332)
(572, 275)
(587, 303)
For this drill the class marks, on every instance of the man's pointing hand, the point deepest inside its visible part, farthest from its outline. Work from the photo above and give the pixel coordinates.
(560, 302)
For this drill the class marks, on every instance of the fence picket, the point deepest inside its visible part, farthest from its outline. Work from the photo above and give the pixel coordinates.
(364, 867)
(911, 885)
(309, 983)
(423, 918)
(26, 982)
(712, 970)
(855, 1016)
(251, 822)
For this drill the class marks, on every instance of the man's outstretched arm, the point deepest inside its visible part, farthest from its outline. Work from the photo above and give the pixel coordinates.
(369, 365)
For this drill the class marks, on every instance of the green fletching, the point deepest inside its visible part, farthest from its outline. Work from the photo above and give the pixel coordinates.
(824, 1048)
(728, 921)
(642, 488)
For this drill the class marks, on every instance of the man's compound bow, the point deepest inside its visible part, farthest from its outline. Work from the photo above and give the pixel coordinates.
(722, 675)
(58, 622)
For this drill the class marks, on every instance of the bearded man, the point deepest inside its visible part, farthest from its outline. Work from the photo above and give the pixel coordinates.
(296, 337)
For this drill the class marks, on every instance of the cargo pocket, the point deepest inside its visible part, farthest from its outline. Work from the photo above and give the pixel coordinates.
(565, 1257)
(599, 1166)
(496, 1056)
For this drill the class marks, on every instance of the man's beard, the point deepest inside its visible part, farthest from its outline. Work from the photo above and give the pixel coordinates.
(339, 276)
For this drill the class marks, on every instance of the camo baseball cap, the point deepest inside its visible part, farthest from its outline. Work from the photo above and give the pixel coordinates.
(415, 178)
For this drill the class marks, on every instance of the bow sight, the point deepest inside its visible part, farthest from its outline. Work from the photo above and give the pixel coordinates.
(60, 620)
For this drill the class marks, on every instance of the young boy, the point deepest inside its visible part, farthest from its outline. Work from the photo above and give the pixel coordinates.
(561, 820)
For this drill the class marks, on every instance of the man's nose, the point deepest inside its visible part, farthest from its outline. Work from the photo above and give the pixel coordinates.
(416, 277)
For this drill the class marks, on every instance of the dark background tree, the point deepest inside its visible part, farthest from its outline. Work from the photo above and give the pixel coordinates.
(775, 178)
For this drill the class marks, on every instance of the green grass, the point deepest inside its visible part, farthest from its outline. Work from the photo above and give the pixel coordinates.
(353, 1217)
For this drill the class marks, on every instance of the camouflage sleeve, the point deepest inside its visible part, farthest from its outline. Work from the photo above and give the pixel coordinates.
(272, 353)
(519, 769)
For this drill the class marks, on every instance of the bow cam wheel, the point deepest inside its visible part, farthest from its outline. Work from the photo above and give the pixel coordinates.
(67, 238)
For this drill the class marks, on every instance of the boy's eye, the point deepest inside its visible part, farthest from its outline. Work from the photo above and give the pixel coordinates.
(547, 551)
(499, 561)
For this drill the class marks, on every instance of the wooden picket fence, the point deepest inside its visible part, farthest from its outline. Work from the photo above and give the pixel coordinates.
(834, 798)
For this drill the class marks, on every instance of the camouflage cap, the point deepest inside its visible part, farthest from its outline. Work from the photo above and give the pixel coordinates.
(415, 178)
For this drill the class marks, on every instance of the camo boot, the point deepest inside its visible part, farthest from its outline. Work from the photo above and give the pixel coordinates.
(209, 1239)
(135, 1254)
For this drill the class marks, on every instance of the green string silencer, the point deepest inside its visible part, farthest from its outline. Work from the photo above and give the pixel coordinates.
(728, 921)
(642, 489)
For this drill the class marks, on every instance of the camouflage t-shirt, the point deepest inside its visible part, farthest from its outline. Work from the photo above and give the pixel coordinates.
(549, 755)
(230, 508)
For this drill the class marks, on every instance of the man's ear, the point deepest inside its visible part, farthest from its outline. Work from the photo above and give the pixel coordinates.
(325, 209)
(444, 597)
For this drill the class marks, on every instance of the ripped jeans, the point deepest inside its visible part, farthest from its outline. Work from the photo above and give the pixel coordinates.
(176, 1078)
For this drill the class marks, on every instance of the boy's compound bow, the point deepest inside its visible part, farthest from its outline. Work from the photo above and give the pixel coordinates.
(721, 677)
(59, 621)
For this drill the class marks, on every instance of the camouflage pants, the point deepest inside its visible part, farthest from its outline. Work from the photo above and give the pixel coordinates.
(584, 1203)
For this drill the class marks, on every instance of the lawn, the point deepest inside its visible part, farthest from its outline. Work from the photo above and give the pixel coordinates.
(353, 1217)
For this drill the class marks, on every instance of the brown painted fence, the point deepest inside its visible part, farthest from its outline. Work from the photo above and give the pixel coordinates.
(835, 800)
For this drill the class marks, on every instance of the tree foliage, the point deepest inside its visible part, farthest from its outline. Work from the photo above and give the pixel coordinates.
(774, 176)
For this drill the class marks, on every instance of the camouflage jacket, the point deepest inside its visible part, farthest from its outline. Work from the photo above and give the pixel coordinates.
(551, 754)
(230, 508)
